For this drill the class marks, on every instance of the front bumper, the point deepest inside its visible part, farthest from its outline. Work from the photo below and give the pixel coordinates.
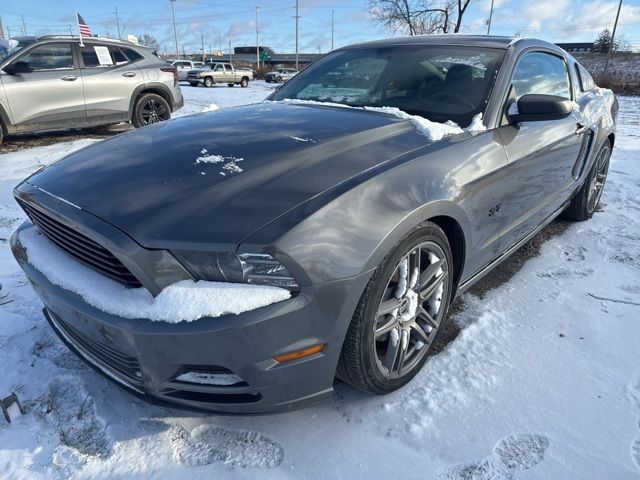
(146, 356)
(199, 80)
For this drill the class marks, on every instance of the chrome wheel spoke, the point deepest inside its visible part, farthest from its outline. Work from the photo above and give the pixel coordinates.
(421, 334)
(426, 316)
(432, 286)
(385, 327)
(389, 306)
(393, 348)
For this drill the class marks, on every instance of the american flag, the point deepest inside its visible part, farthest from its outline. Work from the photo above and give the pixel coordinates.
(85, 31)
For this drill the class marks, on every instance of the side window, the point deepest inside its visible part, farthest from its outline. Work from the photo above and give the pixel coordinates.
(50, 56)
(117, 55)
(218, 68)
(541, 73)
(132, 55)
(95, 56)
(586, 82)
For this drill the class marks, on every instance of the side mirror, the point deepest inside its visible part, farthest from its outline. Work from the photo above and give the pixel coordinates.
(536, 107)
(17, 68)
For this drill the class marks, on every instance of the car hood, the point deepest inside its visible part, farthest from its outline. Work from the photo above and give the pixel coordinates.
(220, 176)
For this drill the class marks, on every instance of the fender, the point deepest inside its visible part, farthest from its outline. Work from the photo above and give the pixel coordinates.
(151, 86)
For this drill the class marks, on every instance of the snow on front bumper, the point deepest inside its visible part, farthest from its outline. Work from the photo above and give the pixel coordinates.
(185, 300)
(149, 356)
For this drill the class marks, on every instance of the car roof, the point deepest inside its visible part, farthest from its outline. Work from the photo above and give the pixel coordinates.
(489, 41)
(75, 38)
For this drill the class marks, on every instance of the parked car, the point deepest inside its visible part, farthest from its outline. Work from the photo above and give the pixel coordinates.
(184, 67)
(51, 82)
(359, 205)
(280, 75)
(218, 72)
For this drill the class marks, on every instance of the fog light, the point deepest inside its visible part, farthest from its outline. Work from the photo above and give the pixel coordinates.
(210, 378)
(287, 357)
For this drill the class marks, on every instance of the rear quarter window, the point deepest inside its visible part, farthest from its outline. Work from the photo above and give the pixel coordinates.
(586, 81)
(132, 55)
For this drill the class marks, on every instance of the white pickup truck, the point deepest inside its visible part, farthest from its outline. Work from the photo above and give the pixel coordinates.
(219, 72)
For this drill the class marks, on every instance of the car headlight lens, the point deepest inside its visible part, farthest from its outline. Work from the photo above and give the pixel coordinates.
(255, 268)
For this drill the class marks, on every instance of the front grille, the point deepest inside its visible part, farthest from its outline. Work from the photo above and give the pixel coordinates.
(108, 356)
(81, 247)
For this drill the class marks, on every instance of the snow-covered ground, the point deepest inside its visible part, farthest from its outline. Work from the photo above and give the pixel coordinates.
(543, 381)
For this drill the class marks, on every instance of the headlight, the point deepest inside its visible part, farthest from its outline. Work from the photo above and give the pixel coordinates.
(255, 268)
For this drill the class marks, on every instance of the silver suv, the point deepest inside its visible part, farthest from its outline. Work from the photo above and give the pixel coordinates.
(53, 82)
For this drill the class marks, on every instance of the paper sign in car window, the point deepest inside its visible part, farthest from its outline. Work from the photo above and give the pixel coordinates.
(104, 57)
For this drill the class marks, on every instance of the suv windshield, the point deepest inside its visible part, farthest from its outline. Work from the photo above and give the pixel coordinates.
(436, 82)
(12, 45)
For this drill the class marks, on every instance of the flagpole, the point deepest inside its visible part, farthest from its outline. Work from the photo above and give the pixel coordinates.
(79, 32)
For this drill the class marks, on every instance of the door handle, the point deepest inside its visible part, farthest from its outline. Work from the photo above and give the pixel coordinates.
(129, 74)
(581, 129)
(68, 78)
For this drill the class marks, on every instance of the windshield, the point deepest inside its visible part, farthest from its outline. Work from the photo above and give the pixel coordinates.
(439, 83)
(12, 45)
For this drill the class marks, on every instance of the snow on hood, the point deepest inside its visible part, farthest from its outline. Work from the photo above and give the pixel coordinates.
(434, 131)
(186, 300)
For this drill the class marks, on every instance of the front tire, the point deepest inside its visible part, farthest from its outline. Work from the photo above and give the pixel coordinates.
(400, 313)
(149, 109)
(208, 82)
(586, 200)
(279, 79)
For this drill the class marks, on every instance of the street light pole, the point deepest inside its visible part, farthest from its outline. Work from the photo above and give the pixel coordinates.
(490, 17)
(175, 31)
(333, 27)
(257, 41)
(297, 20)
(613, 36)
(203, 50)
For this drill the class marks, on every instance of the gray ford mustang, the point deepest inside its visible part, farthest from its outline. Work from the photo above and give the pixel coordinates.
(372, 218)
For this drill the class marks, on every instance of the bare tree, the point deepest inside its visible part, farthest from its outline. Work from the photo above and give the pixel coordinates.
(419, 17)
(149, 41)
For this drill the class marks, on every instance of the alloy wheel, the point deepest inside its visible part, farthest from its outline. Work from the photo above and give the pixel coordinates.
(153, 111)
(596, 184)
(411, 310)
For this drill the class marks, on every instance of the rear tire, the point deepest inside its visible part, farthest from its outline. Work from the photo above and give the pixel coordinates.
(208, 82)
(244, 82)
(370, 360)
(150, 108)
(1, 133)
(279, 79)
(586, 200)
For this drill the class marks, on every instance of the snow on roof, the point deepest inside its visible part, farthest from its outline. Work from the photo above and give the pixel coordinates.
(186, 300)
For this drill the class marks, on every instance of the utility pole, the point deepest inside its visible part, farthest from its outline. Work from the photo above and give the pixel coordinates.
(257, 41)
(229, 50)
(203, 52)
(297, 20)
(175, 32)
(107, 27)
(24, 26)
(70, 30)
(333, 27)
(1, 29)
(490, 17)
(118, 25)
(613, 36)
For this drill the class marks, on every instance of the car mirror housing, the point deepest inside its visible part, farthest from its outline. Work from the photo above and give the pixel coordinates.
(537, 107)
(16, 68)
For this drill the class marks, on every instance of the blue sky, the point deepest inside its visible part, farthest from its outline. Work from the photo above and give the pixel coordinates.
(222, 21)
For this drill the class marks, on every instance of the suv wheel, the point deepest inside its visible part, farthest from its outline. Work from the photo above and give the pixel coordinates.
(150, 108)
(244, 82)
(279, 79)
(208, 82)
(1, 132)
(193, 84)
(400, 313)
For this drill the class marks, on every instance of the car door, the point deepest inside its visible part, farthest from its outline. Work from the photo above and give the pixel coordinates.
(541, 154)
(110, 79)
(219, 75)
(230, 76)
(51, 95)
